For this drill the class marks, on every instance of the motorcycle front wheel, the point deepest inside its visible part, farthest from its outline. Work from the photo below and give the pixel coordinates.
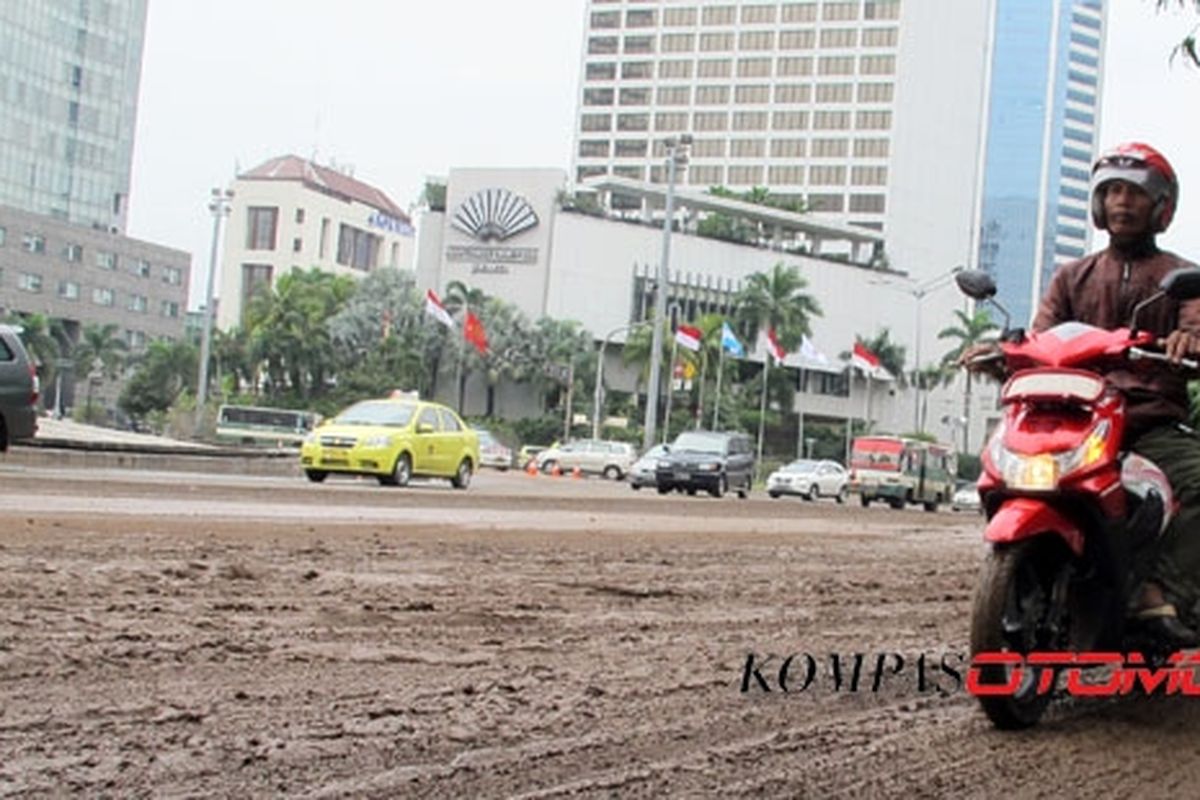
(1020, 607)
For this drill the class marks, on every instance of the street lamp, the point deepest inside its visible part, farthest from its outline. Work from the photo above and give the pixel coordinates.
(219, 206)
(676, 158)
(598, 397)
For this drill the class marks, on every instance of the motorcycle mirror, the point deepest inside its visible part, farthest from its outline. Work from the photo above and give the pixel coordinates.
(1182, 284)
(975, 283)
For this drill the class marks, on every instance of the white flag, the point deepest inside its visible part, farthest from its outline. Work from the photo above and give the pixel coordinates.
(434, 307)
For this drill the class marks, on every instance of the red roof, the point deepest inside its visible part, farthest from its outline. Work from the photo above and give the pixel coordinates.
(324, 179)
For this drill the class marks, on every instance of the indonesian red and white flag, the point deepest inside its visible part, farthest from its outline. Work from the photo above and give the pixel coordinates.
(688, 337)
(867, 361)
(435, 309)
(774, 347)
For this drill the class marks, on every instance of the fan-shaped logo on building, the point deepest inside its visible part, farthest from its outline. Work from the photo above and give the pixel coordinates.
(494, 215)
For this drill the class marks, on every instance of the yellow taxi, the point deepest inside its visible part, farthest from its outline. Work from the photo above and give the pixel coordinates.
(393, 439)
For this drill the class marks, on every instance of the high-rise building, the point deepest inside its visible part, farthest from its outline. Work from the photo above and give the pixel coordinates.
(69, 75)
(1043, 117)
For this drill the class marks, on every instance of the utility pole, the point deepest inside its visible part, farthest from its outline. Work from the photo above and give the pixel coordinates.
(219, 206)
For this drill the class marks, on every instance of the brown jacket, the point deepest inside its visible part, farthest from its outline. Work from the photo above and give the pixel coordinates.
(1102, 289)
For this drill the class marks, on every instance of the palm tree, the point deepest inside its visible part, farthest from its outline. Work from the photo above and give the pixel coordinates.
(969, 331)
(100, 354)
(460, 297)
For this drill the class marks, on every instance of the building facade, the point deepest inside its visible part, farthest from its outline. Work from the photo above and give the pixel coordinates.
(69, 75)
(290, 213)
(1046, 78)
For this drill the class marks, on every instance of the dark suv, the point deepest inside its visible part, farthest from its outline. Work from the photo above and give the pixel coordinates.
(709, 461)
(18, 390)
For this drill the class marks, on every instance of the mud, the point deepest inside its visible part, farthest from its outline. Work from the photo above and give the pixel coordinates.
(213, 636)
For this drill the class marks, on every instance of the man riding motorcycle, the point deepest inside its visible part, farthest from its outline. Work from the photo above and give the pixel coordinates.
(1134, 194)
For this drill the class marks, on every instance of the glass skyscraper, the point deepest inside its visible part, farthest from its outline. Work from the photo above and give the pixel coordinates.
(1043, 117)
(69, 72)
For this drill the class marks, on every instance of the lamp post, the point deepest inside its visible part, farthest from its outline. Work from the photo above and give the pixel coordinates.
(676, 157)
(219, 206)
(598, 397)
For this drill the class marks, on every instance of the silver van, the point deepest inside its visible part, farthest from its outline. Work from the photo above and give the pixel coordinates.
(613, 460)
(18, 389)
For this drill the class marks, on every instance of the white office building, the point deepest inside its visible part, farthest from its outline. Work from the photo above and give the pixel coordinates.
(290, 213)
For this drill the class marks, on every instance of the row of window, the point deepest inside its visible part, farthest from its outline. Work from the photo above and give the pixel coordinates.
(751, 14)
(742, 148)
(750, 94)
(74, 253)
(784, 66)
(795, 39)
(707, 121)
(790, 175)
(101, 295)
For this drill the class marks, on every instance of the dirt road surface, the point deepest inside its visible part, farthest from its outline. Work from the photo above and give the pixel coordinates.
(207, 635)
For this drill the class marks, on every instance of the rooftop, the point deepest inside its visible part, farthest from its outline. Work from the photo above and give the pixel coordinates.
(326, 180)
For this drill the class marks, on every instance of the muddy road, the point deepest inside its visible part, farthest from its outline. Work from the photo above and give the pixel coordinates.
(176, 634)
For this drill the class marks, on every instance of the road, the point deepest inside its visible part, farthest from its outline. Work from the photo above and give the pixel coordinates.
(207, 634)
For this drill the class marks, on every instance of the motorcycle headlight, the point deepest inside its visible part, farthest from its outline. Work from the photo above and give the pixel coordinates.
(1043, 471)
(377, 441)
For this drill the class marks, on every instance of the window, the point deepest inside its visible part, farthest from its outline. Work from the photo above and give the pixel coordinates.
(712, 95)
(170, 309)
(831, 120)
(602, 45)
(679, 17)
(788, 148)
(639, 18)
(754, 68)
(639, 44)
(796, 40)
(428, 416)
(633, 122)
(829, 148)
(583, 173)
(839, 11)
(3, 236)
(750, 121)
(172, 276)
(867, 203)
(357, 248)
(748, 95)
(628, 171)
(839, 37)
(710, 42)
(606, 19)
(871, 148)
(68, 290)
(785, 175)
(881, 9)
(630, 148)
(835, 92)
(756, 40)
(28, 282)
(34, 243)
(795, 65)
(588, 122)
(601, 71)
(297, 244)
(710, 121)
(868, 176)
(634, 97)
(826, 202)
(746, 176)
(706, 175)
(73, 253)
(708, 148)
(874, 120)
(140, 267)
(799, 12)
(879, 37)
(671, 121)
(875, 92)
(720, 15)
(878, 65)
(598, 97)
(747, 148)
(835, 65)
(260, 227)
(678, 42)
(138, 303)
(674, 95)
(758, 14)
(675, 69)
(793, 93)
(450, 423)
(299, 216)
(714, 68)
(789, 120)
(324, 244)
(103, 297)
(135, 340)
(827, 176)
(637, 70)
(106, 260)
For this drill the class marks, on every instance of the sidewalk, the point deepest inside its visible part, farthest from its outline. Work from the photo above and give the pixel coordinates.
(69, 433)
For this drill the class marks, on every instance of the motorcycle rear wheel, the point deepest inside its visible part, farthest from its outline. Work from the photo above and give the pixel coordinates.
(1020, 607)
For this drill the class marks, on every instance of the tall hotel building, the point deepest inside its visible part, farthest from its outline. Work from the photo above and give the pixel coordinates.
(1043, 118)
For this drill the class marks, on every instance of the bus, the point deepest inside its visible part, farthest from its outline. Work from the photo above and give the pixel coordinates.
(902, 471)
(278, 427)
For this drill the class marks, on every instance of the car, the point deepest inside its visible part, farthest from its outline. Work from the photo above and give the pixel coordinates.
(613, 460)
(18, 389)
(709, 461)
(966, 497)
(393, 439)
(492, 452)
(527, 455)
(811, 480)
(642, 472)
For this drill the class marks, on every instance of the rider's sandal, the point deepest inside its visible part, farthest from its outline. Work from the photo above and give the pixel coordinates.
(1162, 624)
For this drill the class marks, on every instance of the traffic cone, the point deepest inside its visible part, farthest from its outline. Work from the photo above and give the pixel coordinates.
(531, 469)
(556, 471)
(576, 473)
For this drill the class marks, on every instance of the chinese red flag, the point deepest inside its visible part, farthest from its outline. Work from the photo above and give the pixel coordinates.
(473, 332)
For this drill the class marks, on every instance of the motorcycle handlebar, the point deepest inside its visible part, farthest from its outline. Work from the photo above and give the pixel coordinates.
(1138, 354)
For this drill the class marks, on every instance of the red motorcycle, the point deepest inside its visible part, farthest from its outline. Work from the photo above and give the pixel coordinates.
(1066, 507)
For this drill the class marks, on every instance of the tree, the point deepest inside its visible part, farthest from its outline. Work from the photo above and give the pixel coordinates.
(969, 331)
(162, 373)
(1188, 45)
(99, 355)
(776, 299)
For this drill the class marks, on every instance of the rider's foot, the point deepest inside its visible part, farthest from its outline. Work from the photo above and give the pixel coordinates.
(1161, 625)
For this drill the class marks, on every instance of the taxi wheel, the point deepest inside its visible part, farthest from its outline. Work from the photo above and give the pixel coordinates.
(316, 475)
(462, 478)
(402, 472)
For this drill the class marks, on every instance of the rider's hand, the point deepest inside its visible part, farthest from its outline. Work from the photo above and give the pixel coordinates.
(993, 367)
(1181, 344)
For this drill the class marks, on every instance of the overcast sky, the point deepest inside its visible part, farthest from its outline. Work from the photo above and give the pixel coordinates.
(405, 90)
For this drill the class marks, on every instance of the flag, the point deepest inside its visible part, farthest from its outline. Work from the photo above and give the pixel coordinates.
(473, 332)
(867, 361)
(810, 353)
(774, 347)
(688, 337)
(434, 308)
(730, 342)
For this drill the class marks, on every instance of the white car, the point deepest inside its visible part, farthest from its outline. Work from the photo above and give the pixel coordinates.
(492, 452)
(642, 472)
(810, 479)
(966, 497)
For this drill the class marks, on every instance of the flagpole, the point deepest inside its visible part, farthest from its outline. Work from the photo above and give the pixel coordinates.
(849, 413)
(670, 391)
(717, 400)
(458, 369)
(762, 407)
(700, 396)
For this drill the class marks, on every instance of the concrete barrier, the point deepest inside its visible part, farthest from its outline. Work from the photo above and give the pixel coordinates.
(85, 455)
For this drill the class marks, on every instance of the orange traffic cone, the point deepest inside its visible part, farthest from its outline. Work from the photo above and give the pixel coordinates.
(531, 469)
(556, 471)
(576, 473)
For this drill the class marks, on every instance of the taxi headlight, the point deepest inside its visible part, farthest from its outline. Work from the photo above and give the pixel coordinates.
(1043, 471)
(377, 441)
